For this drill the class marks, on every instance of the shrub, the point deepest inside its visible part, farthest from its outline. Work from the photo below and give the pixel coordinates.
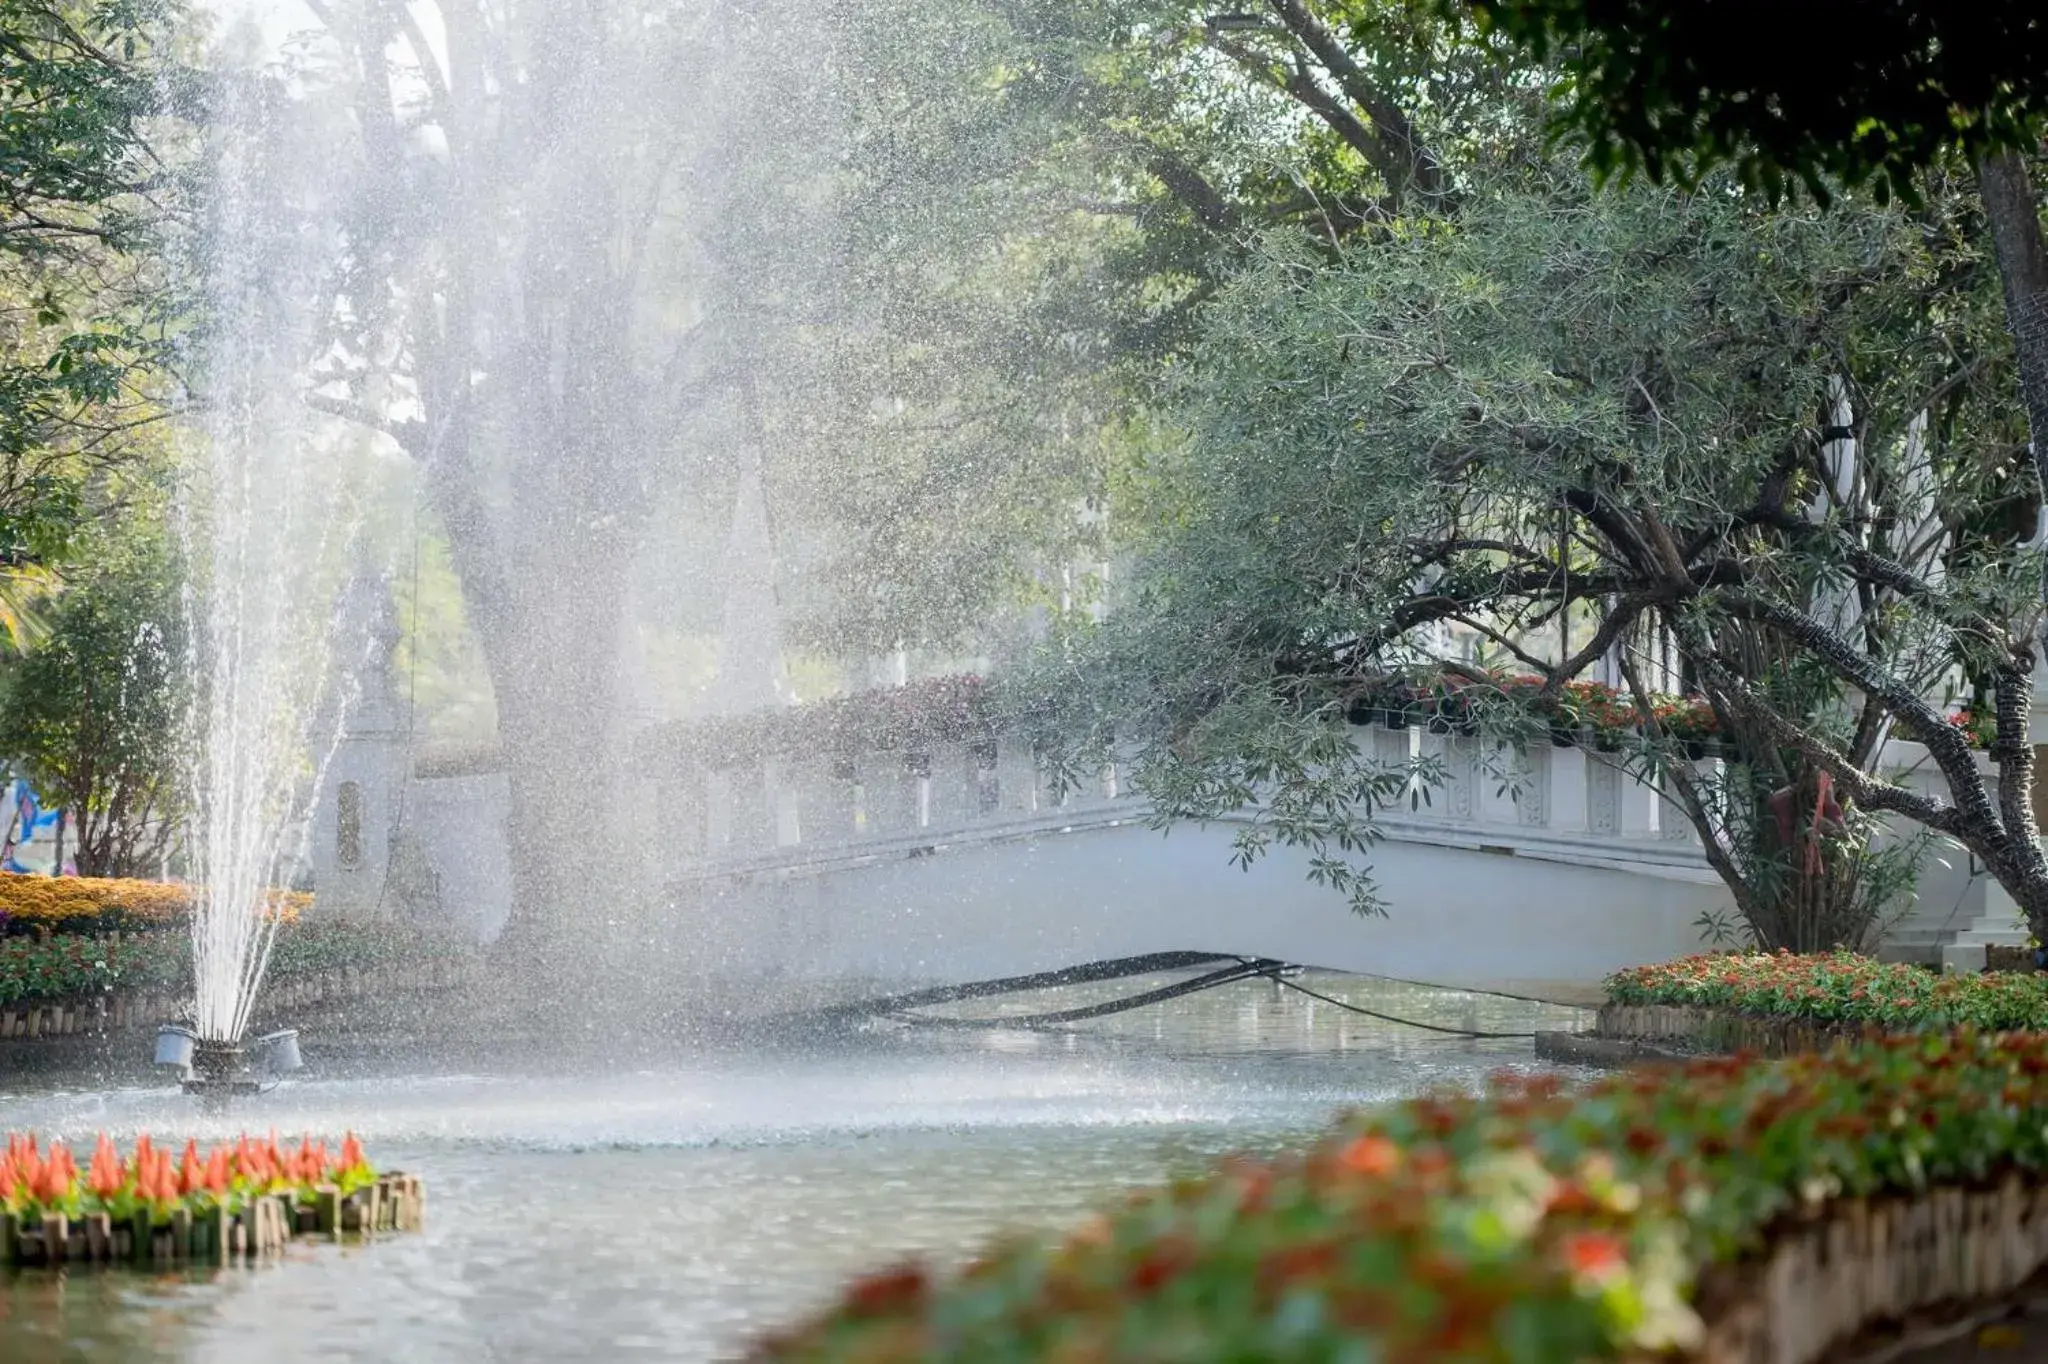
(76, 967)
(1532, 1225)
(1839, 987)
(87, 904)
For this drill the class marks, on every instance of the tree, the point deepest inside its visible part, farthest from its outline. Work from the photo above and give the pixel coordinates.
(1675, 89)
(93, 715)
(1546, 409)
(88, 326)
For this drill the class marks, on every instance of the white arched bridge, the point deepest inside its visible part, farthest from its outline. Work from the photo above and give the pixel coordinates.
(961, 863)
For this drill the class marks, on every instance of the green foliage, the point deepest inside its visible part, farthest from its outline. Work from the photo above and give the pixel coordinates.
(1840, 987)
(1456, 444)
(87, 323)
(74, 966)
(1533, 1225)
(94, 716)
(1036, 201)
(1673, 89)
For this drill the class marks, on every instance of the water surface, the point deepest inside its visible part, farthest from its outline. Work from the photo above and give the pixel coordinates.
(673, 1213)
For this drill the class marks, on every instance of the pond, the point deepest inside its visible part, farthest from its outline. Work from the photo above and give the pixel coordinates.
(674, 1214)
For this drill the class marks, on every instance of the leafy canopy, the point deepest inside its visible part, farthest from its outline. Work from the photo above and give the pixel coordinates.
(1672, 88)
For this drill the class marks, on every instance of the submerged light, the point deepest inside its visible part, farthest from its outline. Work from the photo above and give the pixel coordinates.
(276, 1053)
(174, 1046)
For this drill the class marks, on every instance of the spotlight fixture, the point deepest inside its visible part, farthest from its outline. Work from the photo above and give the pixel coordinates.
(276, 1054)
(174, 1046)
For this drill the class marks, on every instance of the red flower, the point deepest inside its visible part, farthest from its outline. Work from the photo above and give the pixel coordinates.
(1372, 1155)
(1593, 1255)
(889, 1291)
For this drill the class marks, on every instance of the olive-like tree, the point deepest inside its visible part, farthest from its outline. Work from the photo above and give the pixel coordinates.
(93, 714)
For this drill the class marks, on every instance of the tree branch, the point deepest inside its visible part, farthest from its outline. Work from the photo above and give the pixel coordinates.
(1400, 144)
(410, 435)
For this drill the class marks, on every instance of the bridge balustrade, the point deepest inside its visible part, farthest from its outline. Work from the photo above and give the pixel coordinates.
(828, 805)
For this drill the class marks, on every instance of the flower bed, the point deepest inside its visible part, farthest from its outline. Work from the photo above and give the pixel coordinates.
(87, 904)
(1839, 988)
(1454, 703)
(1694, 1212)
(243, 1199)
(69, 966)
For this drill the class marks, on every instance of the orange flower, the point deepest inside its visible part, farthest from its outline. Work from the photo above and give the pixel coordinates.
(1371, 1155)
(215, 1180)
(106, 1178)
(50, 1181)
(1593, 1255)
(309, 1163)
(352, 1154)
(189, 1169)
(163, 1184)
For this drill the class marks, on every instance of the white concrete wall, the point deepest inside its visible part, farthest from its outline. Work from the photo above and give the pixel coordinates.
(460, 825)
(374, 764)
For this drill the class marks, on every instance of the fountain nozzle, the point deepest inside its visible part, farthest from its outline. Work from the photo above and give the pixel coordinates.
(217, 1071)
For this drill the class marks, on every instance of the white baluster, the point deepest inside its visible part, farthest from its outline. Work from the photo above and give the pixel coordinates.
(1603, 795)
(1640, 802)
(751, 802)
(954, 786)
(1016, 775)
(717, 812)
(1533, 800)
(1570, 793)
(890, 794)
(1494, 781)
(679, 816)
(828, 802)
(783, 804)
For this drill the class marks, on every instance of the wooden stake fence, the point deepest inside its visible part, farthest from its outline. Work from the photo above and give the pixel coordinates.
(396, 1202)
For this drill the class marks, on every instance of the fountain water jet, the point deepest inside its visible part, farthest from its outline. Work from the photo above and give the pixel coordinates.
(264, 514)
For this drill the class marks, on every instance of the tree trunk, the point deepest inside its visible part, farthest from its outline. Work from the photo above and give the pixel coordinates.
(556, 678)
(2015, 219)
(2014, 216)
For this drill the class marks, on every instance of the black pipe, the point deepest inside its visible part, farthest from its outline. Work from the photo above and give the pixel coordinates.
(1229, 975)
(1115, 969)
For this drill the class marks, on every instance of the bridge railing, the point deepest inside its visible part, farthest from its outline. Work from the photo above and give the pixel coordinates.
(1569, 792)
(1489, 792)
(827, 805)
(830, 804)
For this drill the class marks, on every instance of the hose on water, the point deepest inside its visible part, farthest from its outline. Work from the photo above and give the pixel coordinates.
(1229, 975)
(1389, 1018)
(1148, 964)
(896, 1008)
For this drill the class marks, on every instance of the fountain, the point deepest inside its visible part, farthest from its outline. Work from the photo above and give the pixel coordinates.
(218, 1070)
(265, 520)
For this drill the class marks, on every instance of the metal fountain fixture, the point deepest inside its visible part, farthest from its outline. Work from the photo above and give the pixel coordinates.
(218, 1071)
